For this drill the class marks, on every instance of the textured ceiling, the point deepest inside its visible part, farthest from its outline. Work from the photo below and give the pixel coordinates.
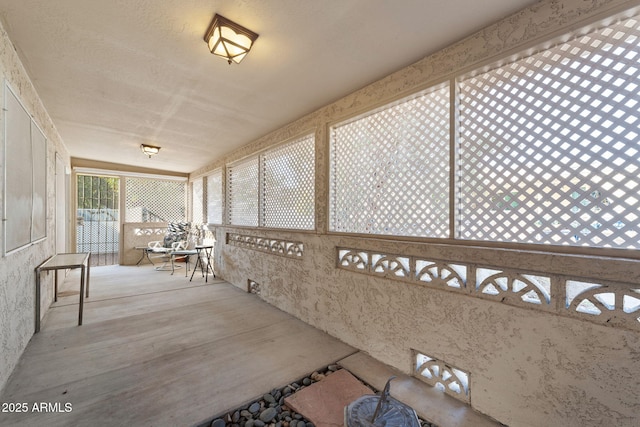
(118, 73)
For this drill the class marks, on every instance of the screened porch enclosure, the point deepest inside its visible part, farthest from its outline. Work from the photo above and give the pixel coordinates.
(481, 227)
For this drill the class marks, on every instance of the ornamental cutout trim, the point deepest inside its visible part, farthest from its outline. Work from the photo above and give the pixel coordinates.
(150, 231)
(402, 267)
(390, 266)
(442, 376)
(609, 304)
(439, 273)
(506, 285)
(615, 304)
(353, 260)
(273, 246)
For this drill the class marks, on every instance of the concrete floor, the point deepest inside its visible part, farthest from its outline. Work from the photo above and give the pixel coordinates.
(158, 350)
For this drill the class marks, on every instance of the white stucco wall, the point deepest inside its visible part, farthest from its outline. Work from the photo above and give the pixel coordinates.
(17, 278)
(529, 367)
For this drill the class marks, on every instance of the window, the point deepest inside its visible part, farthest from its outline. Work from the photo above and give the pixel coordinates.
(155, 200)
(243, 192)
(549, 145)
(390, 169)
(547, 152)
(214, 197)
(289, 185)
(285, 176)
(197, 200)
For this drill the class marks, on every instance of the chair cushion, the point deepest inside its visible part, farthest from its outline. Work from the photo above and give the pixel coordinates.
(178, 227)
(176, 231)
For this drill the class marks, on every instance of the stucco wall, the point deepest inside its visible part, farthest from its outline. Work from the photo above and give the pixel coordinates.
(529, 367)
(17, 279)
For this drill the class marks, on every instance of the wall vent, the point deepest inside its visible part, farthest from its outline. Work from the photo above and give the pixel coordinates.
(442, 376)
(253, 287)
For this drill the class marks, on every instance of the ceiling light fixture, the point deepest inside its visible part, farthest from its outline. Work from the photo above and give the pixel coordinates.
(149, 150)
(230, 40)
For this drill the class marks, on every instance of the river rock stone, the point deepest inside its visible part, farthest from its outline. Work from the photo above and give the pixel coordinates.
(271, 411)
(268, 414)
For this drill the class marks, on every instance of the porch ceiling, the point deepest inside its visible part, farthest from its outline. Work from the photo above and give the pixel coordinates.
(116, 74)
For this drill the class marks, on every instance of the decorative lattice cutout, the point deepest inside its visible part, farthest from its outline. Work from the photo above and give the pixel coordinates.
(274, 246)
(603, 300)
(390, 169)
(399, 267)
(394, 266)
(613, 304)
(440, 273)
(242, 179)
(150, 231)
(527, 287)
(549, 145)
(289, 185)
(214, 197)
(155, 200)
(353, 259)
(442, 376)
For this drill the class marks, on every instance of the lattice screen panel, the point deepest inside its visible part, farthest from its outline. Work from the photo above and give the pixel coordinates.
(214, 197)
(390, 169)
(155, 200)
(549, 145)
(242, 181)
(289, 185)
(197, 200)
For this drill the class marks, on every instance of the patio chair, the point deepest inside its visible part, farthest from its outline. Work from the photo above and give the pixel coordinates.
(175, 239)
